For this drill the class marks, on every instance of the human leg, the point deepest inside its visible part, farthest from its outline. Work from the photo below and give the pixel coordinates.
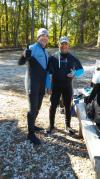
(41, 95)
(55, 98)
(67, 97)
(31, 116)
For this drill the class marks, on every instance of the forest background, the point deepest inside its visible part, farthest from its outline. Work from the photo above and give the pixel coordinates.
(78, 19)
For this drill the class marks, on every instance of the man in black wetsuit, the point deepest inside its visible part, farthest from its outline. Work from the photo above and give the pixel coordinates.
(63, 66)
(94, 97)
(36, 58)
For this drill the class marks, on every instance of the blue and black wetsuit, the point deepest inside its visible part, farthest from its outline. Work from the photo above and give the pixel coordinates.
(37, 72)
(61, 84)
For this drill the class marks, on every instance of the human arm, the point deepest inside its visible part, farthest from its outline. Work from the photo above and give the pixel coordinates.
(48, 83)
(49, 75)
(78, 71)
(25, 56)
(93, 94)
(75, 67)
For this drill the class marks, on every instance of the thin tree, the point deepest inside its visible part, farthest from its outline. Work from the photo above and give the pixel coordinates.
(83, 8)
(98, 40)
(6, 14)
(62, 16)
(47, 14)
(17, 23)
(27, 21)
(32, 32)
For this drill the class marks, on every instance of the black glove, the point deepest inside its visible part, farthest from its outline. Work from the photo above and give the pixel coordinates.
(23, 59)
(28, 53)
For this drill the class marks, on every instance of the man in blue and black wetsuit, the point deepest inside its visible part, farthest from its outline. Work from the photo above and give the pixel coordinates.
(63, 66)
(37, 73)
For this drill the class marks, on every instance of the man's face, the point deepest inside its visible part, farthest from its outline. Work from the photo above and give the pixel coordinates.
(64, 47)
(43, 40)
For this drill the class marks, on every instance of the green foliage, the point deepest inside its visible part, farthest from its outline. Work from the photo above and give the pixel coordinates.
(78, 19)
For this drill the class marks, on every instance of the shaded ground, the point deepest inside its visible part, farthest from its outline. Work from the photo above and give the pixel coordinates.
(60, 155)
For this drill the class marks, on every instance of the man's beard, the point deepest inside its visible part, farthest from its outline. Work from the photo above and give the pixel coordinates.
(64, 51)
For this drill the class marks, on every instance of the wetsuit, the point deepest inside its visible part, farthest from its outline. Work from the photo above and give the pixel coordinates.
(37, 72)
(95, 93)
(59, 66)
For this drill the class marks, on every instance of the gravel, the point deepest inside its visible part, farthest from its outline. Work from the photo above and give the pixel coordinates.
(60, 156)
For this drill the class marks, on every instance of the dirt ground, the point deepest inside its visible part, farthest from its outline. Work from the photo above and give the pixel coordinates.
(60, 156)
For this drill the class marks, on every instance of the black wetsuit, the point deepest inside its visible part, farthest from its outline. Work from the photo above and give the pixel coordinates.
(95, 92)
(37, 76)
(61, 84)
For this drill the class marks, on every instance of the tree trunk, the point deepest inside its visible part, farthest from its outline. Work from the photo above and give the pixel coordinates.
(54, 33)
(98, 41)
(61, 20)
(27, 22)
(81, 30)
(82, 20)
(47, 15)
(32, 32)
(17, 25)
(0, 31)
(6, 13)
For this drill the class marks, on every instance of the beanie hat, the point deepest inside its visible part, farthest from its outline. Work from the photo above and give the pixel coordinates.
(64, 39)
(42, 31)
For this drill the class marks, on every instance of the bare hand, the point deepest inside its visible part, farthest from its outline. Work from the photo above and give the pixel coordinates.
(70, 75)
